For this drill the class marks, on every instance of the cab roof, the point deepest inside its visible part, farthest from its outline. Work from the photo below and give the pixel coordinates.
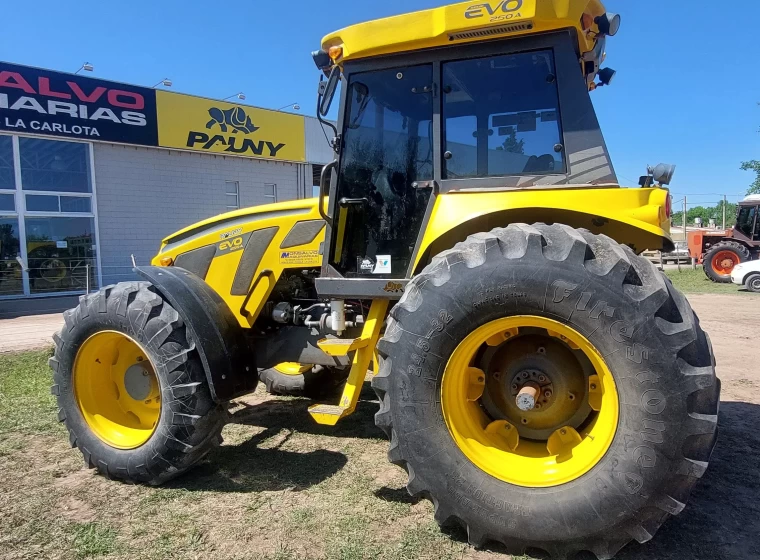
(467, 22)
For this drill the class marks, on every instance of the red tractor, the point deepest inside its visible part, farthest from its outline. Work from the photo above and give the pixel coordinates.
(721, 251)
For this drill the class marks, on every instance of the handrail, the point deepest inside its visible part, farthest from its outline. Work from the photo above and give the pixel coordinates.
(323, 178)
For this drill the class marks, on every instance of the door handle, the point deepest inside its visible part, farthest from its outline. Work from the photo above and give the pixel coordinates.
(353, 201)
(324, 181)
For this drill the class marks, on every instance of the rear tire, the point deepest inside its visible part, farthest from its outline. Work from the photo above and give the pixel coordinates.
(659, 357)
(752, 283)
(315, 383)
(190, 422)
(736, 251)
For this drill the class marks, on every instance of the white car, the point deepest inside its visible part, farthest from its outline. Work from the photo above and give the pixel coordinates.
(747, 274)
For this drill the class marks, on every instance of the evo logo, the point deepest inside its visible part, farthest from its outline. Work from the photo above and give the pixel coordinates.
(232, 244)
(504, 7)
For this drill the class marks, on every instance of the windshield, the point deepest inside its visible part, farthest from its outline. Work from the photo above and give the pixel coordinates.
(745, 222)
(387, 148)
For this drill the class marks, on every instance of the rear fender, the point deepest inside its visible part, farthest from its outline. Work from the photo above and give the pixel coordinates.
(633, 217)
(227, 357)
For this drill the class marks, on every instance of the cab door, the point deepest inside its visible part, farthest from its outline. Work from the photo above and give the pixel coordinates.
(747, 222)
(385, 175)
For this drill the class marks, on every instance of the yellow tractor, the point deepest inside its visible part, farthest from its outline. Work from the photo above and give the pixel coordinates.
(542, 384)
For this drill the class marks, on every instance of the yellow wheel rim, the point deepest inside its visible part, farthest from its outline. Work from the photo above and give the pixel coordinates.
(117, 390)
(293, 368)
(494, 443)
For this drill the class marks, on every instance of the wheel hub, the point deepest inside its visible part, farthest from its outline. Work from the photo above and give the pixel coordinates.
(139, 382)
(526, 397)
(530, 401)
(532, 390)
(724, 262)
(537, 383)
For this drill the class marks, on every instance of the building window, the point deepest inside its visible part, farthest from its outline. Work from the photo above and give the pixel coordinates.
(59, 250)
(54, 166)
(7, 179)
(11, 278)
(55, 203)
(270, 192)
(316, 172)
(47, 219)
(232, 190)
(7, 202)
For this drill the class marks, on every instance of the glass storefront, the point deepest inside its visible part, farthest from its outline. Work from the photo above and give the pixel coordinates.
(48, 238)
(11, 278)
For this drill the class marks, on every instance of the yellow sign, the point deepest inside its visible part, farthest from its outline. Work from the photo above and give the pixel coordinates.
(205, 125)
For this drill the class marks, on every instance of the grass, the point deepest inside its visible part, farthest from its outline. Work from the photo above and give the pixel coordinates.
(280, 488)
(26, 404)
(695, 282)
(92, 540)
(283, 488)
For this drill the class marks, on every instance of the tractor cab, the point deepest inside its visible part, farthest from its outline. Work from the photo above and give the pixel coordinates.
(748, 220)
(466, 98)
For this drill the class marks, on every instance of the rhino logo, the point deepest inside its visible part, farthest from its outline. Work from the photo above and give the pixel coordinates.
(234, 118)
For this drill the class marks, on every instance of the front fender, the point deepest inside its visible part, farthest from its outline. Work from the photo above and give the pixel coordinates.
(227, 358)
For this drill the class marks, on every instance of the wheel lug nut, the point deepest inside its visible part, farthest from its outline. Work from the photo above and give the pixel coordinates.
(548, 394)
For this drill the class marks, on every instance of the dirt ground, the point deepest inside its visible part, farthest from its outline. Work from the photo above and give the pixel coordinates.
(282, 487)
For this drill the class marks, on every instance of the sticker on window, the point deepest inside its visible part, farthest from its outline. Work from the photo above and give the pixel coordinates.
(365, 265)
(383, 265)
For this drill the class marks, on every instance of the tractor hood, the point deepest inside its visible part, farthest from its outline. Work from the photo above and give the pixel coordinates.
(225, 226)
(246, 250)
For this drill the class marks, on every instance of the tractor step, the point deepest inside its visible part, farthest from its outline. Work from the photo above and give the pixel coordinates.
(328, 414)
(365, 349)
(337, 347)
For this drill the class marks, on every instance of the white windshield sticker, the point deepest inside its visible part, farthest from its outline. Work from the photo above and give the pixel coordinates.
(383, 265)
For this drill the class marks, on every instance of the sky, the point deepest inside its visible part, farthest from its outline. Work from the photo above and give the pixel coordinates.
(686, 92)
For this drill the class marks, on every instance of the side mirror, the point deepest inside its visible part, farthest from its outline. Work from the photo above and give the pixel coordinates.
(329, 91)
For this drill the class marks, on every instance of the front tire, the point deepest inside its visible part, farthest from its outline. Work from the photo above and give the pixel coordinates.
(131, 388)
(660, 365)
(753, 283)
(291, 380)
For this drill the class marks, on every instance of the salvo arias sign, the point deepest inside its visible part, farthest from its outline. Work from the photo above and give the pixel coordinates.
(205, 125)
(37, 101)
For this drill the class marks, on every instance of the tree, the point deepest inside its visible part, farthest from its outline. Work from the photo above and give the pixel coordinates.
(706, 213)
(512, 144)
(753, 165)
